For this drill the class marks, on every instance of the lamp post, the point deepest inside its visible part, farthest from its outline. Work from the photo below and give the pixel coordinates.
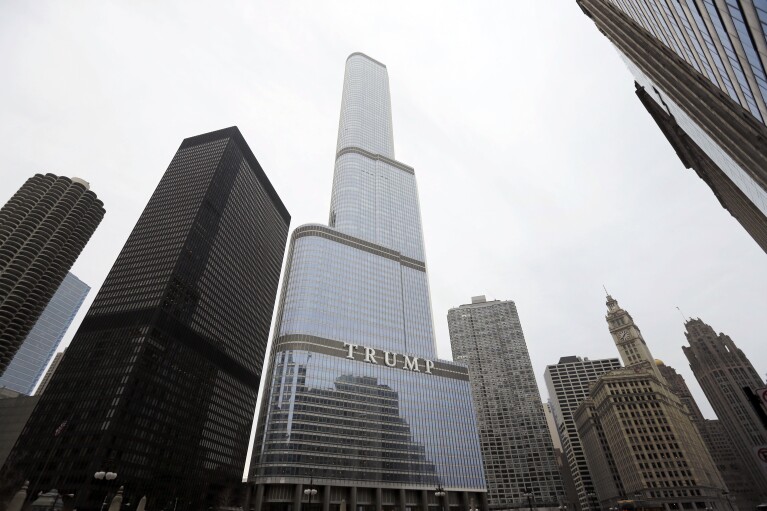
(529, 496)
(592, 499)
(310, 491)
(440, 494)
(108, 476)
(56, 500)
(726, 496)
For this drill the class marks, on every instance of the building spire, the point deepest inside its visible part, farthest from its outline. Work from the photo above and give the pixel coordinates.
(628, 339)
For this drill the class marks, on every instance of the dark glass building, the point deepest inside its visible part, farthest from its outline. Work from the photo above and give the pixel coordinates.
(358, 408)
(699, 67)
(27, 366)
(159, 384)
(43, 228)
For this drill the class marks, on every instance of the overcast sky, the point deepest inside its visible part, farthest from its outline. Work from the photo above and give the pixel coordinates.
(541, 176)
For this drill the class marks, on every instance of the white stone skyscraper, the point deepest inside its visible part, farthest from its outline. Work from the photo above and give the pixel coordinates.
(568, 382)
(357, 407)
(520, 464)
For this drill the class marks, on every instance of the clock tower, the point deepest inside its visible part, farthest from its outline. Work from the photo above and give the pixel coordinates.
(628, 338)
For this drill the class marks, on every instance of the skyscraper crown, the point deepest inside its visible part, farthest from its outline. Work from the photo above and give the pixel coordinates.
(366, 108)
(374, 197)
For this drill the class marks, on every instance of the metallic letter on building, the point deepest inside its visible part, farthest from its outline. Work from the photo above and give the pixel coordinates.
(411, 364)
(393, 361)
(370, 355)
(429, 366)
(351, 350)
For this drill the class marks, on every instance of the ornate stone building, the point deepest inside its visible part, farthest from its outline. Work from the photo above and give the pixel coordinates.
(724, 371)
(740, 482)
(637, 434)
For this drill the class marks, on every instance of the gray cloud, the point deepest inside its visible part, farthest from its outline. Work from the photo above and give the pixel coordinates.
(541, 176)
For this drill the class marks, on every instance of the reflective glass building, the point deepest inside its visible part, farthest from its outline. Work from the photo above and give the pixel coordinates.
(699, 67)
(27, 366)
(358, 408)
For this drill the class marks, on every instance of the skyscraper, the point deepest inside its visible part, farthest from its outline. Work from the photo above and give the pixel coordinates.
(358, 407)
(43, 228)
(30, 361)
(50, 372)
(699, 67)
(723, 371)
(15, 409)
(639, 440)
(159, 384)
(516, 446)
(568, 383)
(740, 483)
(571, 494)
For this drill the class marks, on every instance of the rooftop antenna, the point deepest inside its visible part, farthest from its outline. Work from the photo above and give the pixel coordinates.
(603, 287)
(683, 316)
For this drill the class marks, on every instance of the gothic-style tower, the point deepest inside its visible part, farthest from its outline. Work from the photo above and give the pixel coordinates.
(628, 338)
(723, 372)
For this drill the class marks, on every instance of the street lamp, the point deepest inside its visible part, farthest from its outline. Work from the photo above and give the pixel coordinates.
(529, 496)
(440, 493)
(726, 496)
(56, 500)
(592, 499)
(310, 491)
(109, 476)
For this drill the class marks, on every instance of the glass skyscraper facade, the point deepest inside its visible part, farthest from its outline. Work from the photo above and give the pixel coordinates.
(27, 366)
(702, 64)
(721, 39)
(358, 408)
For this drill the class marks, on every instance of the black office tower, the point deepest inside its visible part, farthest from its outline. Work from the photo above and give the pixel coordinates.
(43, 228)
(159, 384)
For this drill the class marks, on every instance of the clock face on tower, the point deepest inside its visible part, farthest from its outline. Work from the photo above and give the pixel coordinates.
(624, 335)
